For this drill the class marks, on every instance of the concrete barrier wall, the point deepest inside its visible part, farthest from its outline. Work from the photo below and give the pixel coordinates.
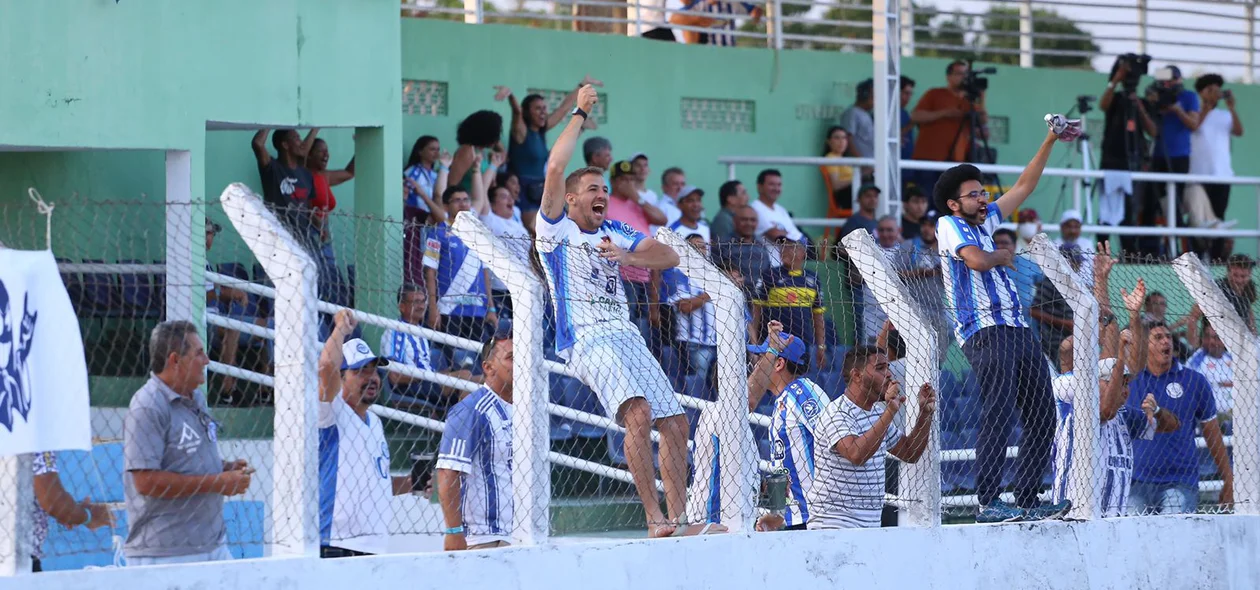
(1201, 552)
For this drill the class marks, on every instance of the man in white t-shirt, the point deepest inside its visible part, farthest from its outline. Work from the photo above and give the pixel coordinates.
(692, 220)
(666, 203)
(857, 435)
(1216, 364)
(582, 254)
(354, 479)
(772, 215)
(1210, 145)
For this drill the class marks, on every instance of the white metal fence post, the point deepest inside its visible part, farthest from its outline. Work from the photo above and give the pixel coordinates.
(531, 471)
(737, 455)
(1245, 348)
(886, 59)
(1025, 34)
(1085, 479)
(16, 499)
(474, 11)
(1249, 60)
(922, 479)
(295, 467)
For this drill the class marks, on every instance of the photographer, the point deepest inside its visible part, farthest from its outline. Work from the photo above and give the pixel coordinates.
(1125, 147)
(944, 117)
(1209, 146)
(1179, 117)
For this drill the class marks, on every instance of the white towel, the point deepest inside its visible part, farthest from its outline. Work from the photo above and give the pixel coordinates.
(1117, 185)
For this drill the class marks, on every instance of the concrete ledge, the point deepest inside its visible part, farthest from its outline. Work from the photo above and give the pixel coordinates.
(1202, 552)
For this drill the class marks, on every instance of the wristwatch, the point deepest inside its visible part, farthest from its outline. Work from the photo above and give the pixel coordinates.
(578, 111)
(1157, 410)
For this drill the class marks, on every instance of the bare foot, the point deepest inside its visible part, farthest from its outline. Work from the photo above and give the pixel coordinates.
(686, 530)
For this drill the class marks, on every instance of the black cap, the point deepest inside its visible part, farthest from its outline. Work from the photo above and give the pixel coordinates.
(869, 187)
(929, 218)
(620, 168)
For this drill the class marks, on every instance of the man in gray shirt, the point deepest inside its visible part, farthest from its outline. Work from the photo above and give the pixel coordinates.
(860, 123)
(174, 479)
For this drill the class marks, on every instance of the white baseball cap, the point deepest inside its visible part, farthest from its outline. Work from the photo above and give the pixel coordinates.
(1105, 366)
(356, 353)
(1071, 215)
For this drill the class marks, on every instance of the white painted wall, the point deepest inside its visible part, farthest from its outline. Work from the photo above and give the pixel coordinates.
(1201, 552)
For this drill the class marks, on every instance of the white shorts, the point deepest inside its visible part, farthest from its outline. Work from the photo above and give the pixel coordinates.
(619, 367)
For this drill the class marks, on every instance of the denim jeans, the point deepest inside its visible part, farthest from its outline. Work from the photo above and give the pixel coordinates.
(1163, 498)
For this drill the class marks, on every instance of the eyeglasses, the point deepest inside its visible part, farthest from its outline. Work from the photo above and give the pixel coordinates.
(980, 194)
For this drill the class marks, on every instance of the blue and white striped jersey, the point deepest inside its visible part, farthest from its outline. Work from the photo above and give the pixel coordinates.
(586, 291)
(478, 444)
(1117, 436)
(355, 490)
(405, 349)
(697, 327)
(793, 429)
(461, 283)
(979, 299)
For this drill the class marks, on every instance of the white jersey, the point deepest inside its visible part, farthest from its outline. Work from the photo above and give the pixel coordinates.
(701, 228)
(1220, 373)
(793, 430)
(845, 495)
(697, 327)
(979, 299)
(586, 292)
(355, 490)
(477, 443)
(1117, 436)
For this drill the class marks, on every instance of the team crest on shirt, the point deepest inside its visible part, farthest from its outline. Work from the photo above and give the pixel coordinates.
(1174, 390)
(810, 408)
(779, 451)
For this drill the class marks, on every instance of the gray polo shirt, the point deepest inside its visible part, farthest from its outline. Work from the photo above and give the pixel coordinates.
(166, 431)
(861, 126)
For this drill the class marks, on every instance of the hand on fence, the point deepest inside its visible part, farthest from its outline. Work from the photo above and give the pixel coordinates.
(892, 396)
(100, 515)
(344, 323)
(610, 251)
(1103, 262)
(927, 398)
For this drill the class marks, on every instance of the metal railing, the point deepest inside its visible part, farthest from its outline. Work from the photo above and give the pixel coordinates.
(1064, 33)
(1081, 199)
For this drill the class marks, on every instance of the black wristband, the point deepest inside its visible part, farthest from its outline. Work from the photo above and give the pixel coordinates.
(578, 111)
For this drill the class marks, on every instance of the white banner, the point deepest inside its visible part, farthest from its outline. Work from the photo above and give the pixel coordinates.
(43, 376)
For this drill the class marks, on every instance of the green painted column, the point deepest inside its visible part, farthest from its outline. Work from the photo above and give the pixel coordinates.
(378, 220)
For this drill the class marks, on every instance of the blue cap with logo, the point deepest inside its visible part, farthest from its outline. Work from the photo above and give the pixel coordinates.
(793, 349)
(356, 354)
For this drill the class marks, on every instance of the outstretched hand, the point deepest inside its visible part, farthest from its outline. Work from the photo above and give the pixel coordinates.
(1103, 262)
(502, 92)
(1133, 300)
(587, 97)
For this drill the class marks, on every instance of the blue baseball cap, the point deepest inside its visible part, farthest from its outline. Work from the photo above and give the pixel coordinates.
(356, 353)
(793, 350)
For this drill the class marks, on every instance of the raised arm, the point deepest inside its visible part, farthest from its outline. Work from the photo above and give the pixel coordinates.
(463, 162)
(330, 358)
(307, 142)
(1016, 196)
(556, 116)
(759, 379)
(858, 449)
(336, 177)
(1133, 303)
(518, 128)
(1116, 394)
(649, 254)
(553, 183)
(259, 145)
(480, 201)
(912, 445)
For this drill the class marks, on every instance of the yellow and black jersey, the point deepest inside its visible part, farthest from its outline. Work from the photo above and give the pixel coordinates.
(792, 297)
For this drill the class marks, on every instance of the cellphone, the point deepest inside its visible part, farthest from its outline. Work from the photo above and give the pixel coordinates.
(1228, 94)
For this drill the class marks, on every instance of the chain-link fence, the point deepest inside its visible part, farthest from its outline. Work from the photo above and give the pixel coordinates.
(655, 420)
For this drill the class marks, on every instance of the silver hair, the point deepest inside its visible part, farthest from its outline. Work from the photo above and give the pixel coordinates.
(891, 218)
(166, 338)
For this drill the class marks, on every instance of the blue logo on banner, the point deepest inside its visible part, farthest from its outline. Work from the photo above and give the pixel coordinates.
(15, 383)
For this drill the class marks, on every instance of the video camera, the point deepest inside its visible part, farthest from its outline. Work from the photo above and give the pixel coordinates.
(975, 83)
(1165, 96)
(1137, 67)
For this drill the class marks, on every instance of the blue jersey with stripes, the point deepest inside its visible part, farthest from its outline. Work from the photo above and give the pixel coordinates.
(978, 299)
(697, 327)
(586, 292)
(461, 281)
(1117, 436)
(793, 428)
(407, 349)
(354, 482)
(477, 443)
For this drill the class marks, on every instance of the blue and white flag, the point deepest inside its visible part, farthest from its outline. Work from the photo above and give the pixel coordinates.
(43, 376)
